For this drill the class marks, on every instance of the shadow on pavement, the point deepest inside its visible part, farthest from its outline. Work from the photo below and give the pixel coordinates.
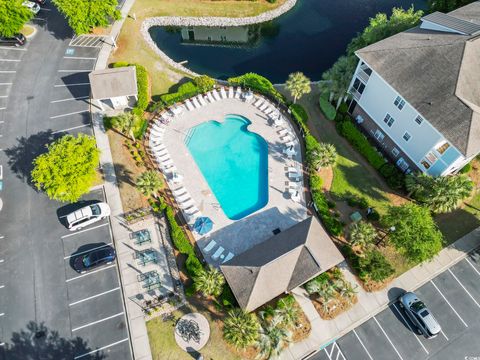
(393, 294)
(37, 341)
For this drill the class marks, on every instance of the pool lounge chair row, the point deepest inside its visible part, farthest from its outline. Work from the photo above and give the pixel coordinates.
(218, 254)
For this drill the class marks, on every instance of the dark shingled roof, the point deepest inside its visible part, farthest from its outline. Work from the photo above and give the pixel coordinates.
(438, 73)
(280, 264)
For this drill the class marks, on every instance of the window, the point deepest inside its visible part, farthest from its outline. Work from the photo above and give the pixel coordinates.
(419, 120)
(395, 152)
(402, 164)
(431, 157)
(358, 85)
(425, 164)
(379, 135)
(442, 148)
(388, 120)
(399, 102)
(406, 136)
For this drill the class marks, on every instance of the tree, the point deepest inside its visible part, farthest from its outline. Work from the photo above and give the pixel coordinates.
(374, 266)
(362, 233)
(323, 155)
(13, 15)
(298, 85)
(446, 5)
(287, 310)
(149, 182)
(209, 282)
(125, 123)
(337, 79)
(84, 15)
(272, 338)
(67, 170)
(204, 83)
(441, 194)
(240, 328)
(416, 234)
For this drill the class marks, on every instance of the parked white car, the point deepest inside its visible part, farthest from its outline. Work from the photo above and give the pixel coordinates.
(87, 216)
(33, 7)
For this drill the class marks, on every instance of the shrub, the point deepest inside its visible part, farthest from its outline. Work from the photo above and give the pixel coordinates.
(227, 298)
(373, 215)
(258, 83)
(360, 142)
(204, 83)
(343, 108)
(193, 265)
(327, 109)
(190, 291)
(331, 204)
(395, 178)
(185, 91)
(466, 169)
(299, 112)
(371, 266)
(177, 235)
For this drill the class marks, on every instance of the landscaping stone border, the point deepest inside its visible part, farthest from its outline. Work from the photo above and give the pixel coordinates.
(205, 21)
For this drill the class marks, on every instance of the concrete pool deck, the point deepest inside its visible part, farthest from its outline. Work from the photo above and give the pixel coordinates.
(280, 212)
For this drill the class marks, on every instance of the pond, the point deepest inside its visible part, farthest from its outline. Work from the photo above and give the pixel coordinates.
(308, 38)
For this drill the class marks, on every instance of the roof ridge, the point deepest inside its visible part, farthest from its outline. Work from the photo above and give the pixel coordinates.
(410, 47)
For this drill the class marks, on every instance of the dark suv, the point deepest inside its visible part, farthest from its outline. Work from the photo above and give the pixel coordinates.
(95, 258)
(16, 40)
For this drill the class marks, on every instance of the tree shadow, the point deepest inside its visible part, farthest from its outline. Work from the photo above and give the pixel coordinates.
(39, 342)
(21, 156)
(124, 175)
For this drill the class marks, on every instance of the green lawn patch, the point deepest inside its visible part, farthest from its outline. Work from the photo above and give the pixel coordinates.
(327, 108)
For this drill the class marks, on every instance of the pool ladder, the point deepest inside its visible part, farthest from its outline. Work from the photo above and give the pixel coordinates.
(188, 136)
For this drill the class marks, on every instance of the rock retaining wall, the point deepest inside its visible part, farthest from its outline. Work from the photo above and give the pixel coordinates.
(205, 21)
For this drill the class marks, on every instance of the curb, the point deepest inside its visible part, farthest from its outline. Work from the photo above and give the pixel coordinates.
(33, 33)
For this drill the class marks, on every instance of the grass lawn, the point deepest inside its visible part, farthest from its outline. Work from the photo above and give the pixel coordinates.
(133, 48)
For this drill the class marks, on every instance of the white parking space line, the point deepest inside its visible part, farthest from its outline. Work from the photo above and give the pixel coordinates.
(66, 85)
(2, 236)
(2, 286)
(94, 296)
(463, 287)
(444, 298)
(8, 71)
(473, 267)
(62, 100)
(79, 58)
(72, 128)
(406, 323)
(82, 231)
(2, 260)
(90, 273)
(390, 341)
(97, 322)
(12, 48)
(72, 113)
(74, 71)
(87, 251)
(363, 346)
(2, 314)
(99, 349)
(5, 83)
(13, 60)
(3, 96)
(2, 108)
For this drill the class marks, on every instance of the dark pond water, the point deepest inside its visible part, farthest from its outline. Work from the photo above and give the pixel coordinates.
(309, 38)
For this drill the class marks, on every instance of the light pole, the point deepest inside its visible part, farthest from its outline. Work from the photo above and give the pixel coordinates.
(390, 230)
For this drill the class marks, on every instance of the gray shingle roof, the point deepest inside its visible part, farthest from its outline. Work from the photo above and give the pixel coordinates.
(463, 26)
(438, 74)
(280, 264)
(110, 83)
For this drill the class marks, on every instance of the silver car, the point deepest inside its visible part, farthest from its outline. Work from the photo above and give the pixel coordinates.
(87, 215)
(419, 314)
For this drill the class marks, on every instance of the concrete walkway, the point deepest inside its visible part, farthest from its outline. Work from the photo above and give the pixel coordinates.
(371, 303)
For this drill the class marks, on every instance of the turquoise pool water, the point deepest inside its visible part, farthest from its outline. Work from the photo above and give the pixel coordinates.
(234, 161)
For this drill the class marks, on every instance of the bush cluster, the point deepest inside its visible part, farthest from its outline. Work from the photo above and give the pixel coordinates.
(257, 83)
(300, 116)
(327, 108)
(371, 266)
(394, 177)
(466, 169)
(181, 242)
(333, 225)
(142, 86)
(359, 201)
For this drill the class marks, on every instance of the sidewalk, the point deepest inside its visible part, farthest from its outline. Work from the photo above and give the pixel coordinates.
(135, 317)
(371, 303)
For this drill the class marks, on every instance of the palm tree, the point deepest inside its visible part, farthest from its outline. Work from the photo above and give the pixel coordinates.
(323, 155)
(209, 282)
(298, 85)
(441, 194)
(337, 79)
(149, 182)
(362, 233)
(125, 123)
(272, 338)
(287, 312)
(241, 328)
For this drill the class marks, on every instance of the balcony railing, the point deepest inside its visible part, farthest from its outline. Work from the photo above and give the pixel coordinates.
(356, 95)
(363, 76)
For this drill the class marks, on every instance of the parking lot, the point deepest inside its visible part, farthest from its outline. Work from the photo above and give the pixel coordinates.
(454, 299)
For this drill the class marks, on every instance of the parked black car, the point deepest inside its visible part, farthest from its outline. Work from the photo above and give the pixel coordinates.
(93, 259)
(16, 40)
(40, 2)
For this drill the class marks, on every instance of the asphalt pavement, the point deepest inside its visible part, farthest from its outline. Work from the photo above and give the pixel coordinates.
(453, 297)
(46, 309)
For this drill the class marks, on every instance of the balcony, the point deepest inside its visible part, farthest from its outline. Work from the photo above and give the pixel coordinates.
(356, 95)
(363, 76)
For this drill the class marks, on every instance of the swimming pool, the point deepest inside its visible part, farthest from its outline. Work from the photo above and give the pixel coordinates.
(234, 161)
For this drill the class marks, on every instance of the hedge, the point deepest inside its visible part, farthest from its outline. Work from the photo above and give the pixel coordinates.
(371, 266)
(185, 91)
(327, 108)
(300, 116)
(142, 86)
(257, 83)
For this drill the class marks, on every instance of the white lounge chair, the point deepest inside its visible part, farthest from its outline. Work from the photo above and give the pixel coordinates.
(179, 191)
(268, 110)
(166, 164)
(238, 93)
(196, 103)
(201, 100)
(216, 95)
(169, 169)
(183, 198)
(210, 97)
(229, 256)
(187, 204)
(295, 196)
(218, 253)
(209, 246)
(192, 218)
(191, 211)
(286, 138)
(158, 128)
(258, 103)
(230, 92)
(189, 105)
(163, 157)
(223, 93)
(283, 132)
